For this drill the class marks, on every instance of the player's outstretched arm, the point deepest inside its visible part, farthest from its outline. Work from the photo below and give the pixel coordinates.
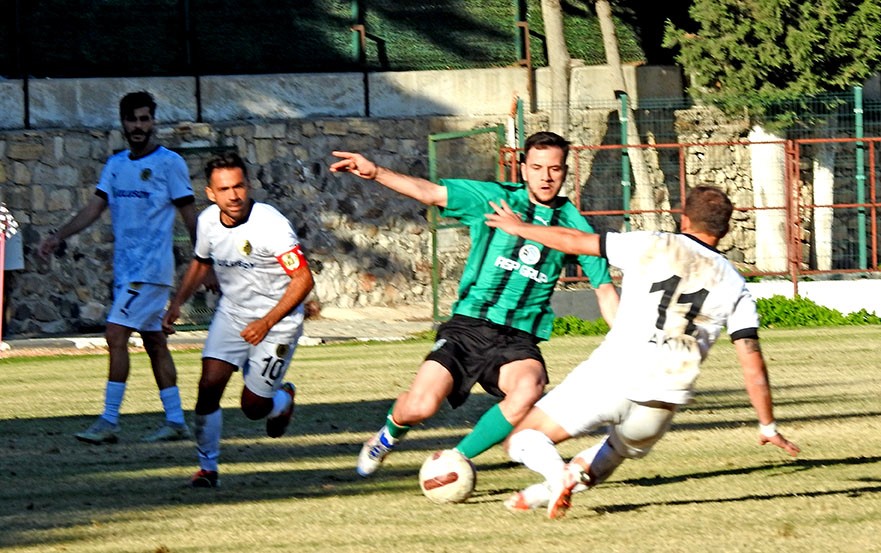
(417, 188)
(85, 217)
(191, 280)
(567, 240)
(755, 377)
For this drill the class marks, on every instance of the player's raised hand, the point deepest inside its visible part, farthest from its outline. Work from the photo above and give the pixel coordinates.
(781, 442)
(354, 163)
(503, 217)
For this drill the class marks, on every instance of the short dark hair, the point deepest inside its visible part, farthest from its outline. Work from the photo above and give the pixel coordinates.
(134, 100)
(226, 160)
(546, 139)
(709, 210)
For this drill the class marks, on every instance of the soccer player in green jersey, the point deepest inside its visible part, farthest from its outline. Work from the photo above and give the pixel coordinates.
(503, 308)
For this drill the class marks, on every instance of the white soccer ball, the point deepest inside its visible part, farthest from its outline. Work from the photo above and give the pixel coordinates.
(447, 477)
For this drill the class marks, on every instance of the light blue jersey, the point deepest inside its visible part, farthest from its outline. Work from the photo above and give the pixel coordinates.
(142, 195)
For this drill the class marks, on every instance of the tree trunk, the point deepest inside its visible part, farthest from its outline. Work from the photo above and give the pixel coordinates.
(650, 192)
(824, 184)
(558, 60)
(767, 163)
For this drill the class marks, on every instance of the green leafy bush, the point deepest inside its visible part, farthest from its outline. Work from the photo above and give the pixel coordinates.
(781, 312)
(774, 312)
(571, 325)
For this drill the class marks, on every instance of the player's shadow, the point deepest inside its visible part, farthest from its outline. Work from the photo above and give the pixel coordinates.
(870, 485)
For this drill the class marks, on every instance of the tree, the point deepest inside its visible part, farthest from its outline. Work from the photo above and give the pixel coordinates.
(558, 61)
(650, 193)
(753, 56)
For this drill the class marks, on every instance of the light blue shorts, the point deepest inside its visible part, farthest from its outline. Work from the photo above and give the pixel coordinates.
(139, 305)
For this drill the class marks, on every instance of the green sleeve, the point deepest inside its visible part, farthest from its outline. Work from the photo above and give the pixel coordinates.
(468, 200)
(595, 268)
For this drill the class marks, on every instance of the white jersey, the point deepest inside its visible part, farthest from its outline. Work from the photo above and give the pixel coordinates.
(251, 260)
(677, 296)
(141, 194)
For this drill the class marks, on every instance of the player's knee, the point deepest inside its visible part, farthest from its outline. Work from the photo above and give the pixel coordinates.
(630, 448)
(413, 408)
(256, 412)
(255, 407)
(524, 440)
(116, 336)
(154, 342)
(207, 404)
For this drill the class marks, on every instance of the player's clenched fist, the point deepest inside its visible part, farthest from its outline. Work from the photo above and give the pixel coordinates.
(355, 164)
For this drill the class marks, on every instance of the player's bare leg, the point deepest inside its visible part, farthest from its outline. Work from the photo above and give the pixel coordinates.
(174, 427)
(522, 382)
(431, 385)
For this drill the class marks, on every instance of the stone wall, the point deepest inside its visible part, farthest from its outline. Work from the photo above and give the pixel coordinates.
(366, 245)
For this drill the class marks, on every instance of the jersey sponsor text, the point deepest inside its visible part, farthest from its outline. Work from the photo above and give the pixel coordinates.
(523, 270)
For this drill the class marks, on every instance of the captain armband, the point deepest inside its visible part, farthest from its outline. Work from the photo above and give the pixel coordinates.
(292, 261)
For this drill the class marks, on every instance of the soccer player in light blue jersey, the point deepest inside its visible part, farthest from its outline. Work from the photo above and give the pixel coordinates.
(144, 187)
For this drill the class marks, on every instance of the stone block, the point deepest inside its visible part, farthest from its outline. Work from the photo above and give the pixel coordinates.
(25, 151)
(21, 174)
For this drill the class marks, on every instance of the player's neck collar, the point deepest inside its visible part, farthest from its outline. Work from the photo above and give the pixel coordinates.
(243, 220)
(701, 242)
(149, 150)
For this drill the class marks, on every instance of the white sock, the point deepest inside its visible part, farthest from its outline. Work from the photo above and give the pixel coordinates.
(171, 403)
(603, 460)
(537, 452)
(208, 429)
(280, 402)
(113, 394)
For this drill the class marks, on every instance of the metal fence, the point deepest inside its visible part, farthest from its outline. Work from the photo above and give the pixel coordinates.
(822, 219)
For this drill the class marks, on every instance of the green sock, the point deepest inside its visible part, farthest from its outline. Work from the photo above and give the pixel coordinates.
(491, 429)
(395, 430)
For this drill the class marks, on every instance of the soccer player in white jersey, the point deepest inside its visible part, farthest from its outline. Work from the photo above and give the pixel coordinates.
(259, 318)
(143, 186)
(677, 294)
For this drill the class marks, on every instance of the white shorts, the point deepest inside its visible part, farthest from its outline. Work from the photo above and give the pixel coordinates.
(263, 366)
(139, 305)
(594, 395)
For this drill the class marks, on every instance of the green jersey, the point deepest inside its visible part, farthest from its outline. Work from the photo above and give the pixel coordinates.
(508, 280)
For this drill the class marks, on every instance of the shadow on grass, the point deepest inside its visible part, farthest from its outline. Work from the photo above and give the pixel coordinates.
(873, 486)
(53, 485)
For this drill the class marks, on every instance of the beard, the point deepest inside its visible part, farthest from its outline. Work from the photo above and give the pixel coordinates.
(138, 137)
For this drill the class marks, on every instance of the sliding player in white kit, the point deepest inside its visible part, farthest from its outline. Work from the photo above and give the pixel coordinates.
(264, 279)
(677, 294)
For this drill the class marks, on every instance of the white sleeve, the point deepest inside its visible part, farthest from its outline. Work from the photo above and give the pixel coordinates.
(622, 249)
(745, 315)
(281, 238)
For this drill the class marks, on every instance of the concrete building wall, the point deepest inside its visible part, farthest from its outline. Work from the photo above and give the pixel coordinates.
(92, 103)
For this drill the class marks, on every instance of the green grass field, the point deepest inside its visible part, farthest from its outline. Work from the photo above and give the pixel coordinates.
(707, 486)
